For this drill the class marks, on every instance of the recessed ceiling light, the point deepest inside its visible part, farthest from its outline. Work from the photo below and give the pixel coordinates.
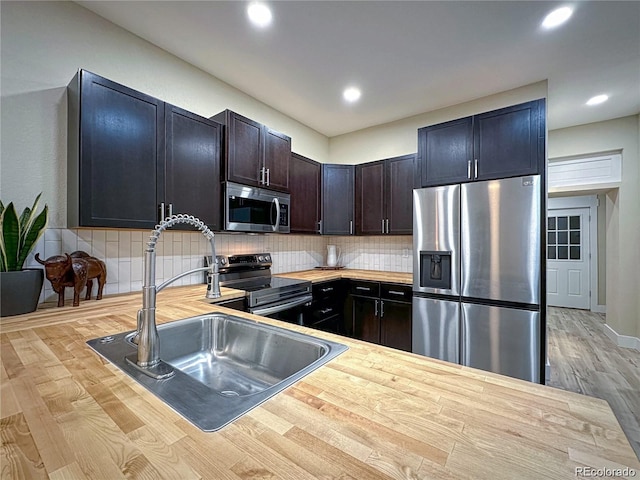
(598, 99)
(259, 14)
(351, 94)
(557, 17)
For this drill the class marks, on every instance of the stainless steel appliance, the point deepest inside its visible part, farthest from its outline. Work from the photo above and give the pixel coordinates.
(276, 297)
(252, 209)
(477, 275)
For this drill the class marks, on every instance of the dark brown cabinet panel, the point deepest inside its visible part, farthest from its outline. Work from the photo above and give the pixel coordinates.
(366, 324)
(129, 154)
(507, 141)
(305, 183)
(276, 160)
(384, 203)
(370, 198)
(337, 199)
(253, 153)
(395, 325)
(244, 146)
(380, 313)
(445, 151)
(116, 154)
(400, 180)
(193, 165)
(503, 143)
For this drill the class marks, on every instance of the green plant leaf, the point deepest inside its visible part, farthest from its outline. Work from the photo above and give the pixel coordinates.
(11, 238)
(31, 237)
(27, 218)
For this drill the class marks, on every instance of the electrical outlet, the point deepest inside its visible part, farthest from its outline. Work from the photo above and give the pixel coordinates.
(405, 253)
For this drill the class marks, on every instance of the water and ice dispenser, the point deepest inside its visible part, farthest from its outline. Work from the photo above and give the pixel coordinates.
(435, 269)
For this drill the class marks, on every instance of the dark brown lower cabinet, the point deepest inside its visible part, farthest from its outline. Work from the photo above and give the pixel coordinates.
(380, 313)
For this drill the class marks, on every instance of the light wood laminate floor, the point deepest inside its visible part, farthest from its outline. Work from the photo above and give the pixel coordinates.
(584, 360)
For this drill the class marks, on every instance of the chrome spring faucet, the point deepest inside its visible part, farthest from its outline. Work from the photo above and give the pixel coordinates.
(147, 359)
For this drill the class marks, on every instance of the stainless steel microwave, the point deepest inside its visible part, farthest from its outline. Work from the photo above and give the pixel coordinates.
(253, 209)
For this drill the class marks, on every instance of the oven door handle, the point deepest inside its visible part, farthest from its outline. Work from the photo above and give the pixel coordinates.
(276, 224)
(282, 306)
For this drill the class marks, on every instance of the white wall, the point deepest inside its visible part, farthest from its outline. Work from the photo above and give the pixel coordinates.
(44, 44)
(622, 212)
(401, 138)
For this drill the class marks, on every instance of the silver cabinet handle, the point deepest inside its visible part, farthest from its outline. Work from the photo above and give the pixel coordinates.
(350, 227)
(383, 225)
(381, 308)
(268, 176)
(162, 216)
(366, 289)
(387, 225)
(170, 209)
(326, 289)
(320, 227)
(262, 173)
(468, 168)
(396, 292)
(376, 309)
(476, 169)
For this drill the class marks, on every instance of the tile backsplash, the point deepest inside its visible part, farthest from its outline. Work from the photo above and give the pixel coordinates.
(122, 251)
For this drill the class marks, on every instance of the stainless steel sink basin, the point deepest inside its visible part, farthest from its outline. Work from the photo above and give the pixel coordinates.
(225, 365)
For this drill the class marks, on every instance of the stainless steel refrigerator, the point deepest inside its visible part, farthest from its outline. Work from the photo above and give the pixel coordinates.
(477, 275)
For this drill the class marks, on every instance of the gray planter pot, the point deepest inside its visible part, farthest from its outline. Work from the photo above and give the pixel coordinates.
(20, 291)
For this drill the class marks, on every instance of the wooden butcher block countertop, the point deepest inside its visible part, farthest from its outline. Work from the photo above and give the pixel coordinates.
(319, 275)
(371, 413)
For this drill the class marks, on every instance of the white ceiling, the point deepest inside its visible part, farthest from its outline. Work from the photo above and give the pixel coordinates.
(407, 57)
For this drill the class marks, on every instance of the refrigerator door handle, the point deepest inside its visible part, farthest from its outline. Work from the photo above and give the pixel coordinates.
(468, 168)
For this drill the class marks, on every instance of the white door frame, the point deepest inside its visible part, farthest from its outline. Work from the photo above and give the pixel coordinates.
(590, 202)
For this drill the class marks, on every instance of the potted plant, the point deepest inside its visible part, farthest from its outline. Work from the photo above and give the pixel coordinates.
(19, 288)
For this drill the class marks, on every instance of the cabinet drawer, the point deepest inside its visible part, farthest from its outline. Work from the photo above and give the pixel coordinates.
(394, 291)
(326, 290)
(364, 288)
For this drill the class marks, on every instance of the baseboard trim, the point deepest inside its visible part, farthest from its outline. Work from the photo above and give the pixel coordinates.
(625, 341)
(599, 308)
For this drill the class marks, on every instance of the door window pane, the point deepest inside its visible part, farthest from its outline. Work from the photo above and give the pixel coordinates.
(574, 222)
(551, 223)
(551, 238)
(562, 223)
(563, 253)
(563, 238)
(574, 253)
(574, 237)
(551, 253)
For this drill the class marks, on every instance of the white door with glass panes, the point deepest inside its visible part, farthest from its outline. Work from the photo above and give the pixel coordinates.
(568, 262)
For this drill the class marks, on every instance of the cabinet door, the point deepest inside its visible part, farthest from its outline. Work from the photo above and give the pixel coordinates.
(445, 151)
(277, 155)
(370, 199)
(193, 165)
(244, 150)
(506, 142)
(337, 199)
(304, 175)
(366, 324)
(118, 179)
(395, 325)
(400, 180)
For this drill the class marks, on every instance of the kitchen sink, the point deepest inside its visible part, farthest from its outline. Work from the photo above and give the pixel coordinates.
(224, 365)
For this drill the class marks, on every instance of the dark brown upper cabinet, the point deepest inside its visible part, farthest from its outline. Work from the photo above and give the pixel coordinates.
(253, 153)
(502, 143)
(305, 184)
(133, 159)
(383, 197)
(337, 199)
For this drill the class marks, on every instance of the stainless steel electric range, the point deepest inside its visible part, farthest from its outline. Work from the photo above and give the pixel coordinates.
(276, 297)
